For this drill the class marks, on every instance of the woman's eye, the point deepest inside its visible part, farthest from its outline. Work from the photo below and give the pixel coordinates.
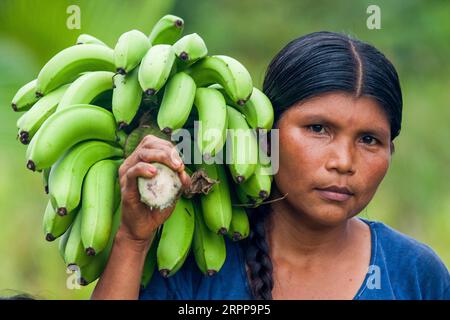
(369, 140)
(317, 128)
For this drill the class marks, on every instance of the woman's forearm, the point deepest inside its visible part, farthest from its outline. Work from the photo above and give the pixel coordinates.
(122, 275)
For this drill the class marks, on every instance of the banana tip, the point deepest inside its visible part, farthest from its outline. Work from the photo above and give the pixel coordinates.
(90, 251)
(46, 189)
(184, 56)
(31, 165)
(179, 23)
(237, 236)
(121, 125)
(263, 194)
(14, 106)
(211, 272)
(83, 282)
(164, 273)
(222, 231)
(39, 94)
(49, 237)
(240, 179)
(241, 102)
(24, 135)
(62, 211)
(167, 130)
(121, 71)
(150, 92)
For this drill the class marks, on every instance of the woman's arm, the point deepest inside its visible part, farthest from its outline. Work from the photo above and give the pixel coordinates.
(122, 275)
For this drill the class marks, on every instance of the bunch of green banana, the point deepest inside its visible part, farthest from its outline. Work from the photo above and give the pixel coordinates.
(31, 121)
(155, 68)
(167, 30)
(88, 39)
(64, 129)
(126, 98)
(176, 238)
(67, 65)
(91, 105)
(97, 208)
(209, 247)
(129, 51)
(216, 205)
(86, 88)
(25, 97)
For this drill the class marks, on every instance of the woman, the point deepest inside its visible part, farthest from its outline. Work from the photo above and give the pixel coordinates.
(338, 108)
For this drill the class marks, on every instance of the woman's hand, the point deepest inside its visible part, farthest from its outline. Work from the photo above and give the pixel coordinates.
(139, 223)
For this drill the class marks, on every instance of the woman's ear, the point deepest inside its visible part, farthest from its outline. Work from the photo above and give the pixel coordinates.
(392, 148)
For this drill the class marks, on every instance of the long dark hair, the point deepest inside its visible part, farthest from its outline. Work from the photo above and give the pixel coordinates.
(309, 66)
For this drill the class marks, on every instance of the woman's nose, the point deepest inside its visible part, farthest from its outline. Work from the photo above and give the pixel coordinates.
(340, 157)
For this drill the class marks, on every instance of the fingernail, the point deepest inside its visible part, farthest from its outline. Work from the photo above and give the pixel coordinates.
(152, 170)
(177, 163)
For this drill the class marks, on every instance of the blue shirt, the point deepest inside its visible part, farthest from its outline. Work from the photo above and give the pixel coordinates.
(400, 268)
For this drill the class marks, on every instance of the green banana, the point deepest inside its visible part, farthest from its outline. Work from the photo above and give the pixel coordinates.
(155, 68)
(25, 97)
(258, 110)
(212, 114)
(240, 225)
(243, 148)
(67, 175)
(129, 50)
(121, 139)
(64, 129)
(94, 269)
(177, 102)
(63, 241)
(226, 71)
(88, 39)
(176, 238)
(127, 96)
(97, 207)
(31, 121)
(216, 205)
(55, 225)
(190, 48)
(45, 176)
(167, 30)
(66, 65)
(74, 253)
(86, 88)
(150, 263)
(209, 248)
(257, 187)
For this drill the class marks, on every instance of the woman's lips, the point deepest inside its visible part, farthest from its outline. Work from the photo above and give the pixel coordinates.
(334, 196)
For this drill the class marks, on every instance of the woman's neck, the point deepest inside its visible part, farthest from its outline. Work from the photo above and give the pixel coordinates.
(295, 237)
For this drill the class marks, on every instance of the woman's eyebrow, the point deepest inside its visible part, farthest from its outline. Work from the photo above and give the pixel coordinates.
(322, 119)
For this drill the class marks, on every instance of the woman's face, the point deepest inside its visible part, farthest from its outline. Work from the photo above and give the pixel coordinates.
(332, 140)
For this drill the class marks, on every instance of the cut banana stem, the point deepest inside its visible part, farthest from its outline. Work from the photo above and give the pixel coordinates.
(162, 190)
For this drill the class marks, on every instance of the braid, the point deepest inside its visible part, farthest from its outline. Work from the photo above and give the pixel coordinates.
(257, 254)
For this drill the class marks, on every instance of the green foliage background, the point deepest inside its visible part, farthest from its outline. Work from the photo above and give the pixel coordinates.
(415, 195)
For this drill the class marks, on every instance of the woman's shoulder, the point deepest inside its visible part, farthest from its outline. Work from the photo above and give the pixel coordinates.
(409, 261)
(397, 242)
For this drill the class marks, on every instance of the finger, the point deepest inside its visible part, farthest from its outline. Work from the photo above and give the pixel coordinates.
(161, 156)
(148, 142)
(151, 141)
(185, 179)
(141, 169)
